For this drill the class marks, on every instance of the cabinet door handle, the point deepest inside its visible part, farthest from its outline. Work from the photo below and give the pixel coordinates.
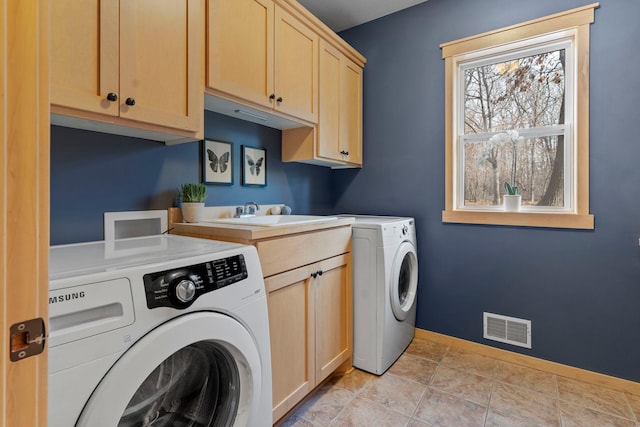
(112, 97)
(279, 100)
(130, 102)
(344, 153)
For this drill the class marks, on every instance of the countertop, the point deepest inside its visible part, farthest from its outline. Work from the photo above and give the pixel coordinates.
(252, 232)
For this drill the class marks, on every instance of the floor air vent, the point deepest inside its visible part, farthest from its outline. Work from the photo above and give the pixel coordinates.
(507, 329)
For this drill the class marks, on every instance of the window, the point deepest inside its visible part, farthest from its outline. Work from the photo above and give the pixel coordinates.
(517, 112)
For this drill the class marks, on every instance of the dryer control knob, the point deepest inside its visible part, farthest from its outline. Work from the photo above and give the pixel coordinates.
(185, 290)
(405, 230)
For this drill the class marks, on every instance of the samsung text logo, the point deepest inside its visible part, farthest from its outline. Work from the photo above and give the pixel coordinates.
(66, 297)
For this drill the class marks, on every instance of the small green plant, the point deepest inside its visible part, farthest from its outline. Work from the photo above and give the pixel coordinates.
(511, 190)
(193, 193)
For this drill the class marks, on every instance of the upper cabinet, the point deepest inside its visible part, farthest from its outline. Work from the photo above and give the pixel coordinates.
(262, 56)
(129, 67)
(340, 129)
(274, 63)
(336, 140)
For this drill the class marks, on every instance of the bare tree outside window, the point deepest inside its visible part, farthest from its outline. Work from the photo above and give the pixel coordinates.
(512, 111)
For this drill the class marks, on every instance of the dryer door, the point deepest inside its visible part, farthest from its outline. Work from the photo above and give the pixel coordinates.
(404, 280)
(198, 370)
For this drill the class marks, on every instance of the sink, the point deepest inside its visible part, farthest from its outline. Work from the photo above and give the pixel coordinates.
(273, 220)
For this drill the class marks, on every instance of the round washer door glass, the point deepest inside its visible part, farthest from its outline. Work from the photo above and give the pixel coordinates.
(404, 280)
(199, 370)
(197, 386)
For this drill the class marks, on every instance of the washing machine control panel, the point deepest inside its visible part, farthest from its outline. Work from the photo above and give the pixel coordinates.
(180, 287)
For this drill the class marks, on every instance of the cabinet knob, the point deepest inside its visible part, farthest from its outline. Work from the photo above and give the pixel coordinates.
(272, 97)
(130, 102)
(279, 100)
(112, 97)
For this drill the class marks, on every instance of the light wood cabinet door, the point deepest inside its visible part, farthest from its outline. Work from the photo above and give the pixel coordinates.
(333, 315)
(139, 60)
(310, 321)
(85, 55)
(291, 301)
(240, 48)
(329, 102)
(161, 62)
(351, 111)
(340, 125)
(296, 65)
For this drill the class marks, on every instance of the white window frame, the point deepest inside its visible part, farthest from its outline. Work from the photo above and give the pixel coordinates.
(568, 30)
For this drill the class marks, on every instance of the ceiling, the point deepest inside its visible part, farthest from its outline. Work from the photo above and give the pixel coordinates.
(342, 14)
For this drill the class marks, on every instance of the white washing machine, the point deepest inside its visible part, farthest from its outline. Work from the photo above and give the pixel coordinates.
(158, 331)
(385, 281)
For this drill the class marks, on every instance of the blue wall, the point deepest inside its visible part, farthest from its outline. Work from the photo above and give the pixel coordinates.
(92, 173)
(581, 289)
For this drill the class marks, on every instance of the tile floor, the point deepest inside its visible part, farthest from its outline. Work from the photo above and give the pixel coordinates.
(435, 385)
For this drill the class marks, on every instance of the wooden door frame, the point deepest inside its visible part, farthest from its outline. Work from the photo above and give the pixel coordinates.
(24, 207)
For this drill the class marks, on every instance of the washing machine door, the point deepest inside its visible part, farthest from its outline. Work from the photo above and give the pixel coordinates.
(404, 280)
(198, 370)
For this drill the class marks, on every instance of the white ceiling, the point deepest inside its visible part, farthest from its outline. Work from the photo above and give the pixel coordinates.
(342, 14)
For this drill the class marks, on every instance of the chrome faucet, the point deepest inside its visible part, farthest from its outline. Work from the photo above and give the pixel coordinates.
(249, 209)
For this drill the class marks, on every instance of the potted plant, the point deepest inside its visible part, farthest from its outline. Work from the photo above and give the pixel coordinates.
(193, 197)
(512, 199)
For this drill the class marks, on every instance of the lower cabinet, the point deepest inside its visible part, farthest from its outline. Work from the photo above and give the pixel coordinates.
(310, 326)
(307, 277)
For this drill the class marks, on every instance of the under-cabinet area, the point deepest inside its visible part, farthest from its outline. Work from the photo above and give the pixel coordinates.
(307, 271)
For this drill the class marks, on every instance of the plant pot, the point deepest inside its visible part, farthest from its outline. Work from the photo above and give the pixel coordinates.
(512, 203)
(192, 212)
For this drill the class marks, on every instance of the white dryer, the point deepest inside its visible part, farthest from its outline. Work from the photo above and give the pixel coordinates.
(385, 281)
(158, 331)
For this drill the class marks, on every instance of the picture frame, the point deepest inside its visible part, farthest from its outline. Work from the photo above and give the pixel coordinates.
(254, 166)
(217, 162)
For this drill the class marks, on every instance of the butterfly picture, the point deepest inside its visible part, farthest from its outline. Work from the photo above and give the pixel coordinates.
(217, 162)
(254, 166)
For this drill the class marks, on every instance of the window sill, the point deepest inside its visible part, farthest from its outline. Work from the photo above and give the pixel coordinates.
(522, 219)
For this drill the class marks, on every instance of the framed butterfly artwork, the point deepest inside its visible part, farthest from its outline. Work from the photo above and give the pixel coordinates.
(217, 167)
(254, 166)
